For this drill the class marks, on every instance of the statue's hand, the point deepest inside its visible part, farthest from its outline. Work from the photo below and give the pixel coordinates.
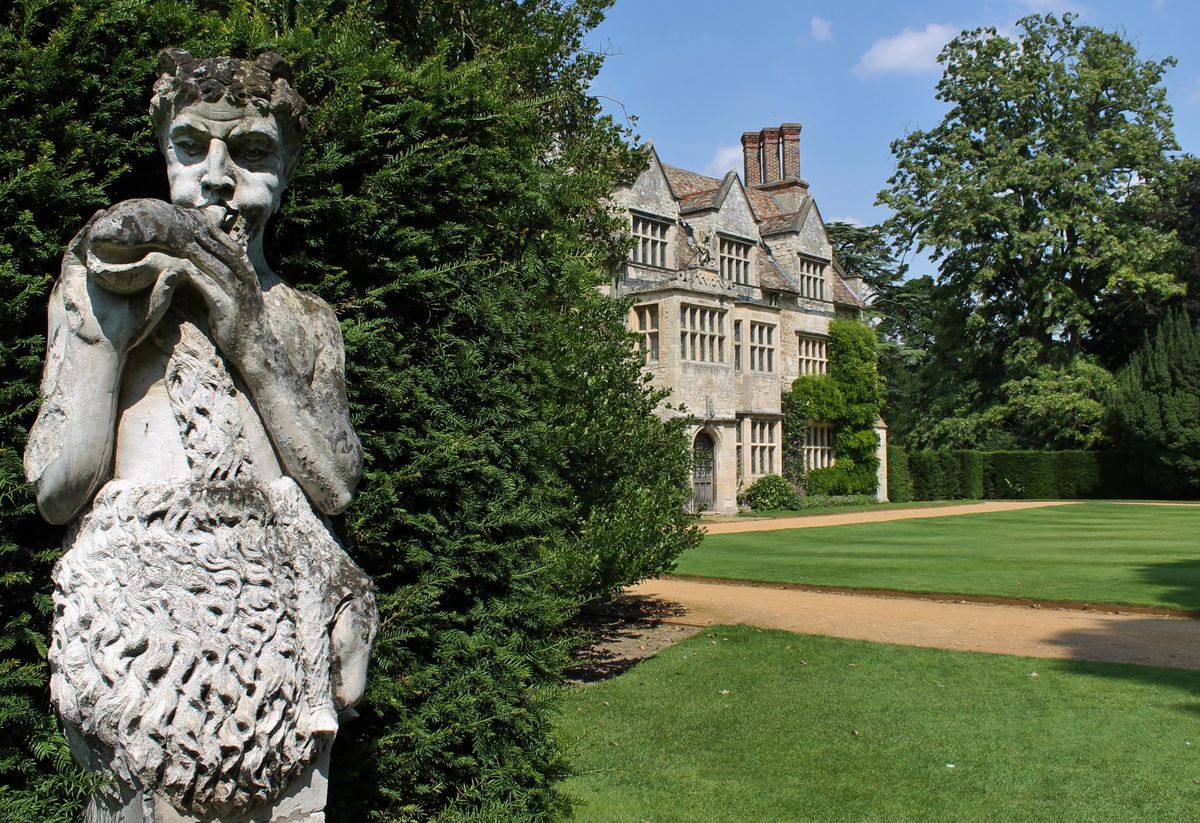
(103, 316)
(227, 281)
(135, 243)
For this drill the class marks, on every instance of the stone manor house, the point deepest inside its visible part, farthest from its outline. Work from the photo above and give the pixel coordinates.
(734, 285)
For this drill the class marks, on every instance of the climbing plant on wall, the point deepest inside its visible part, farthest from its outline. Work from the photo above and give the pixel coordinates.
(849, 398)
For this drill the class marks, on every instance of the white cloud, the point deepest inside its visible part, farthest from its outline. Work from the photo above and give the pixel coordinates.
(909, 52)
(724, 159)
(820, 29)
(853, 221)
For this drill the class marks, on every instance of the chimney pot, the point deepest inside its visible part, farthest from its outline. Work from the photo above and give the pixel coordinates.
(791, 150)
(770, 139)
(751, 154)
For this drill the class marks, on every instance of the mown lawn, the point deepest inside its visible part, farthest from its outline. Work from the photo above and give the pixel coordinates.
(1090, 552)
(739, 724)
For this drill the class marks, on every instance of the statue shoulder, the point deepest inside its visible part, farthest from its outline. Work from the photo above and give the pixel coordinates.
(305, 324)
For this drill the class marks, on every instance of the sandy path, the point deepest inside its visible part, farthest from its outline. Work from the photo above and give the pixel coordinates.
(816, 520)
(1020, 630)
(657, 613)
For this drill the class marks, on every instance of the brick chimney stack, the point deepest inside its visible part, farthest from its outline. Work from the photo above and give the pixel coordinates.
(751, 151)
(791, 150)
(770, 140)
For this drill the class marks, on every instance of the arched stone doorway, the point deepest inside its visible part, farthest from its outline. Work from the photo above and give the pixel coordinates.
(703, 493)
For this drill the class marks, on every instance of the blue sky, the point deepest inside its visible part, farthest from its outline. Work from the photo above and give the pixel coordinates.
(697, 73)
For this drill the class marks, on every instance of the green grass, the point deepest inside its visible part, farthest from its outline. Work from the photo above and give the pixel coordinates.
(748, 725)
(1089, 552)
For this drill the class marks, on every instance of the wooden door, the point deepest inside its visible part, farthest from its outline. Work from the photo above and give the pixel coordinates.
(702, 472)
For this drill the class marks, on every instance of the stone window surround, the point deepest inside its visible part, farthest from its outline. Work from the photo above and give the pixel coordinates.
(652, 239)
(701, 333)
(812, 276)
(812, 353)
(818, 446)
(764, 442)
(762, 347)
(735, 258)
(646, 318)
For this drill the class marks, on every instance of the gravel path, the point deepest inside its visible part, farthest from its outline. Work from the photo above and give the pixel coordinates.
(816, 520)
(660, 612)
(1150, 640)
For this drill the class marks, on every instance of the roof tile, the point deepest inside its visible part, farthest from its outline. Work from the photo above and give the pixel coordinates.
(771, 276)
(686, 182)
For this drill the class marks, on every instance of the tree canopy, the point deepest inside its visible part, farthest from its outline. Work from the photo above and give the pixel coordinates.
(1034, 192)
(449, 205)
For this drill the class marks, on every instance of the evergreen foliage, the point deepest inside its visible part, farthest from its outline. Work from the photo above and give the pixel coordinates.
(966, 474)
(1049, 199)
(849, 397)
(946, 474)
(1043, 406)
(900, 484)
(1156, 406)
(449, 206)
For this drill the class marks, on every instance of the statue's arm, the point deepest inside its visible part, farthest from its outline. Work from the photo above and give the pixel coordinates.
(70, 450)
(306, 416)
(90, 332)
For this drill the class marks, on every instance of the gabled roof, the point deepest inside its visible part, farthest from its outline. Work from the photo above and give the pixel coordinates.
(771, 276)
(657, 163)
(765, 206)
(784, 223)
(685, 183)
(714, 198)
(841, 291)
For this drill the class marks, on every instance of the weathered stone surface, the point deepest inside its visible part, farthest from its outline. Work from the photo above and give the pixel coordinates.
(209, 631)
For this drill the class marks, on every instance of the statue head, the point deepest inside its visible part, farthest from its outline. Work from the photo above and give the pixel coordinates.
(231, 132)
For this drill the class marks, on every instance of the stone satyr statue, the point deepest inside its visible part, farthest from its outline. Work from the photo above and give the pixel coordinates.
(209, 630)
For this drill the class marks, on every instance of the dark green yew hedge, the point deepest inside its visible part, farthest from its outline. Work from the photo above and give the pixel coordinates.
(960, 474)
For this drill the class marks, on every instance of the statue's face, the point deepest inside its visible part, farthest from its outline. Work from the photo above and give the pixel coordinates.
(227, 161)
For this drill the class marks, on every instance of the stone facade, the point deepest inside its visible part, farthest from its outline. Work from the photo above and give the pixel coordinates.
(733, 286)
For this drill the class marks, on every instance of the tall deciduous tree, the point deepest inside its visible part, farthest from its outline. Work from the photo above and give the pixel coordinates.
(1032, 193)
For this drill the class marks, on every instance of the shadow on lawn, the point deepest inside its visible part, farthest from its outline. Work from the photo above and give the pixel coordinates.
(619, 634)
(1167, 650)
(1155, 673)
(1180, 581)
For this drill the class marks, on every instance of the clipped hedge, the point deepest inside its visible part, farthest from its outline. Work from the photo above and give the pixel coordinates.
(1062, 475)
(961, 474)
(899, 478)
(947, 474)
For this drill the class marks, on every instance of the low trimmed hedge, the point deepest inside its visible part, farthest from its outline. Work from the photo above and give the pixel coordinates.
(963, 474)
